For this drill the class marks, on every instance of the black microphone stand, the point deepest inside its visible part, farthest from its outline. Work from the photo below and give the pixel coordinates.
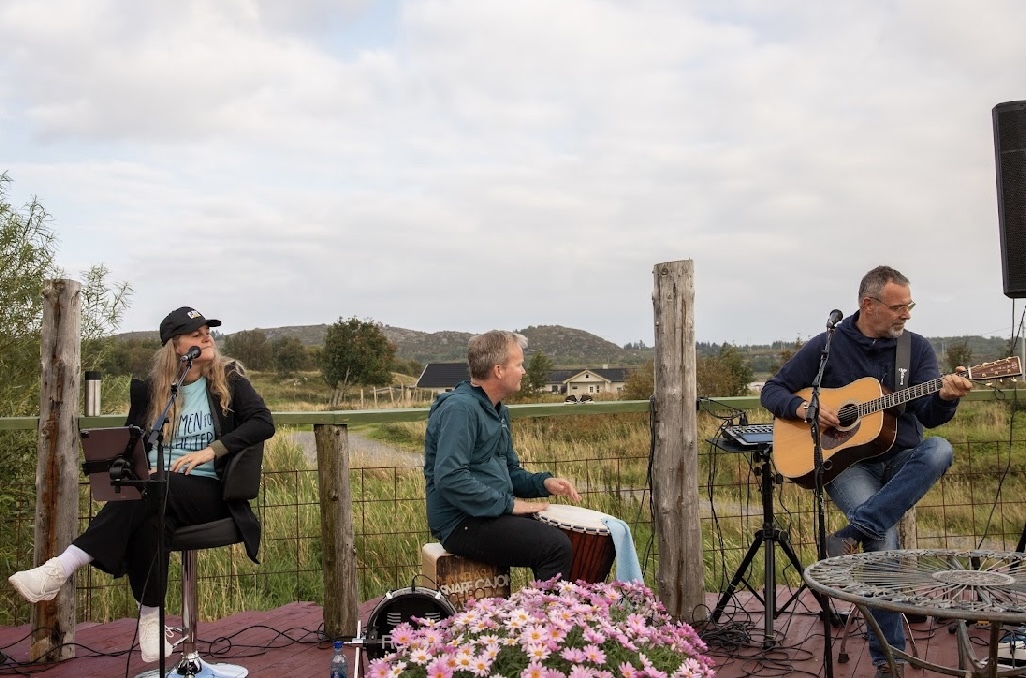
(156, 441)
(812, 416)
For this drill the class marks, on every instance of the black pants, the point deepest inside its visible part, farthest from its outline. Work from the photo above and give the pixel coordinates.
(513, 541)
(122, 537)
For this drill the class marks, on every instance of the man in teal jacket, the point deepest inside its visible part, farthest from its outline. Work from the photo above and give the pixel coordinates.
(477, 491)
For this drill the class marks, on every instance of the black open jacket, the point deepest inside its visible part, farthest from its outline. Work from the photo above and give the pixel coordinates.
(240, 431)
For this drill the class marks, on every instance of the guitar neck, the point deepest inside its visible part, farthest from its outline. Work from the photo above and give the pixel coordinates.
(890, 400)
(1000, 369)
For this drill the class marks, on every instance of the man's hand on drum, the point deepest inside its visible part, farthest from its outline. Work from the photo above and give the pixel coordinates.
(523, 506)
(561, 487)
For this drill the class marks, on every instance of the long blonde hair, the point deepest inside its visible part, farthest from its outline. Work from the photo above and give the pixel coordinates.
(165, 370)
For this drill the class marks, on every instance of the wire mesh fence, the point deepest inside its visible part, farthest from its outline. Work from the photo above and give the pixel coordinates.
(978, 504)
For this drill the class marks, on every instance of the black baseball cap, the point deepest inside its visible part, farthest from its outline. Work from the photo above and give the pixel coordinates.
(182, 321)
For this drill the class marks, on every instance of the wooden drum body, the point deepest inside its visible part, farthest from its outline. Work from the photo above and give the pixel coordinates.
(592, 544)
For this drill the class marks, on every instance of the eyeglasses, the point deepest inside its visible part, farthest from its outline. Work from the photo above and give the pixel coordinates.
(897, 308)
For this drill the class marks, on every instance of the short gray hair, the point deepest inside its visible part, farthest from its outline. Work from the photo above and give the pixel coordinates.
(875, 280)
(490, 349)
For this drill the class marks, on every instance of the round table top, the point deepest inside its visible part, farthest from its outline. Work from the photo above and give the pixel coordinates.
(948, 584)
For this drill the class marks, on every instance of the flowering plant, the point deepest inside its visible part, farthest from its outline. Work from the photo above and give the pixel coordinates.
(550, 629)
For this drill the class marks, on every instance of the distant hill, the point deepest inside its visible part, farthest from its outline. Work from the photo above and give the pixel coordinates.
(565, 346)
(568, 347)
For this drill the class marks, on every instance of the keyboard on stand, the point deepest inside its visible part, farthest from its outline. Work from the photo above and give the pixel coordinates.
(750, 435)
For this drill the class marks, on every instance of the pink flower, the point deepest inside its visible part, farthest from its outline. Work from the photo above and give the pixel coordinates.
(482, 666)
(581, 672)
(420, 656)
(594, 654)
(432, 635)
(627, 670)
(534, 634)
(534, 670)
(463, 659)
(692, 668)
(574, 655)
(518, 619)
(439, 668)
(379, 668)
(402, 635)
(537, 651)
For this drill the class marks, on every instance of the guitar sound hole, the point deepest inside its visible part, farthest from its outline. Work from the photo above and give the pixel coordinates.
(848, 414)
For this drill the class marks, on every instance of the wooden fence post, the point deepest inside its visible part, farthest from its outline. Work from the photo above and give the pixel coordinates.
(907, 533)
(53, 621)
(677, 518)
(338, 539)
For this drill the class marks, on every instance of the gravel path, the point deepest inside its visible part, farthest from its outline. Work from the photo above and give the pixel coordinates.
(363, 452)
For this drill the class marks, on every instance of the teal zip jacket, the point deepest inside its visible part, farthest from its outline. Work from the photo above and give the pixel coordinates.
(470, 468)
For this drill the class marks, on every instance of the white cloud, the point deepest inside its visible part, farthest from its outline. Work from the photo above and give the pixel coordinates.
(462, 164)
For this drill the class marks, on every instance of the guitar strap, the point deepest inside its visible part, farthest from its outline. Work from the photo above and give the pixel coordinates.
(903, 350)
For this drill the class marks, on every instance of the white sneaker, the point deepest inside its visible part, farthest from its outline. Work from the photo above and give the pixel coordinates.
(39, 583)
(150, 637)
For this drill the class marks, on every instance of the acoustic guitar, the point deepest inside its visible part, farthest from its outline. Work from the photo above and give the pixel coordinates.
(868, 427)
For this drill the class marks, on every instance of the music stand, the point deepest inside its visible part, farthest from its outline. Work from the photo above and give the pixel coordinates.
(115, 462)
(769, 537)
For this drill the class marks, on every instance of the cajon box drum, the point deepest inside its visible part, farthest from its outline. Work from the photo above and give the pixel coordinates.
(592, 544)
(461, 579)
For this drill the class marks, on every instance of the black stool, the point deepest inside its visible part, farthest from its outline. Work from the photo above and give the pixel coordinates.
(241, 481)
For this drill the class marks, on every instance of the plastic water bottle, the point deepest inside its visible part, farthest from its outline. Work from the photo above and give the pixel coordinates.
(339, 667)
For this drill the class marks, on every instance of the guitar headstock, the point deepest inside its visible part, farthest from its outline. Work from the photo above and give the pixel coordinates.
(999, 369)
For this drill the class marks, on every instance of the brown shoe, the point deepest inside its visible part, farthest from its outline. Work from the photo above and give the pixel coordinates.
(884, 671)
(841, 546)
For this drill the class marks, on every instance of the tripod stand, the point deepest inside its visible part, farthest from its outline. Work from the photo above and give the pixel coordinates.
(769, 538)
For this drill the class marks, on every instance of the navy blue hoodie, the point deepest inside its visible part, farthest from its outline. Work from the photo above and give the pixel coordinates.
(853, 356)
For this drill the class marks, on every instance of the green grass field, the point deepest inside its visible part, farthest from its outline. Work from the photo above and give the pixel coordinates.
(978, 503)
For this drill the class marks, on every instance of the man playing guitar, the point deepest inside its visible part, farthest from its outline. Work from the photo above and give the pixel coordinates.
(875, 492)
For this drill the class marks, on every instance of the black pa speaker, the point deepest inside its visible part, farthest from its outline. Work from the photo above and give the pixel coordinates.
(1010, 161)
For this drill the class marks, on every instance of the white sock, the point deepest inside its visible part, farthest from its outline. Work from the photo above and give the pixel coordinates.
(146, 610)
(72, 559)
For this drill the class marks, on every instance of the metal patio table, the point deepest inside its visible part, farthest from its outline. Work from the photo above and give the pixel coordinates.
(958, 585)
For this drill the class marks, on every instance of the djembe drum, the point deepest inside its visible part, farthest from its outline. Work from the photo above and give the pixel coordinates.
(592, 544)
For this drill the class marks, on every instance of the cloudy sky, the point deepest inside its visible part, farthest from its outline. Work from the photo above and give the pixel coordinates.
(469, 164)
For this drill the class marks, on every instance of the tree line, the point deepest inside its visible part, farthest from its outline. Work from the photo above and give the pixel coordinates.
(355, 352)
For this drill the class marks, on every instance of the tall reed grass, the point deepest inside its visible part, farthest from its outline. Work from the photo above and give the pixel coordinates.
(979, 504)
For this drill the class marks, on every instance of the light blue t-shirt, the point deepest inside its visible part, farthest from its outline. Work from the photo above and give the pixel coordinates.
(195, 430)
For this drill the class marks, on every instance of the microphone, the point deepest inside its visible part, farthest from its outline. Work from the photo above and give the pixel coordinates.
(194, 352)
(835, 317)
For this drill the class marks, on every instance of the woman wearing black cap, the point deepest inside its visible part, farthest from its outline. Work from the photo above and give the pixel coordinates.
(216, 414)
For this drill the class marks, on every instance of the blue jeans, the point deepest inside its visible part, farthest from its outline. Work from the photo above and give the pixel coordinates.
(874, 495)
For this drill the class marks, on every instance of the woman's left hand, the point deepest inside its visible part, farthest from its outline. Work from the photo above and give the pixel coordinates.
(187, 462)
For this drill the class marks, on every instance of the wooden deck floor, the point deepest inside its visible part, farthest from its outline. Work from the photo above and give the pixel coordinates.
(286, 641)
